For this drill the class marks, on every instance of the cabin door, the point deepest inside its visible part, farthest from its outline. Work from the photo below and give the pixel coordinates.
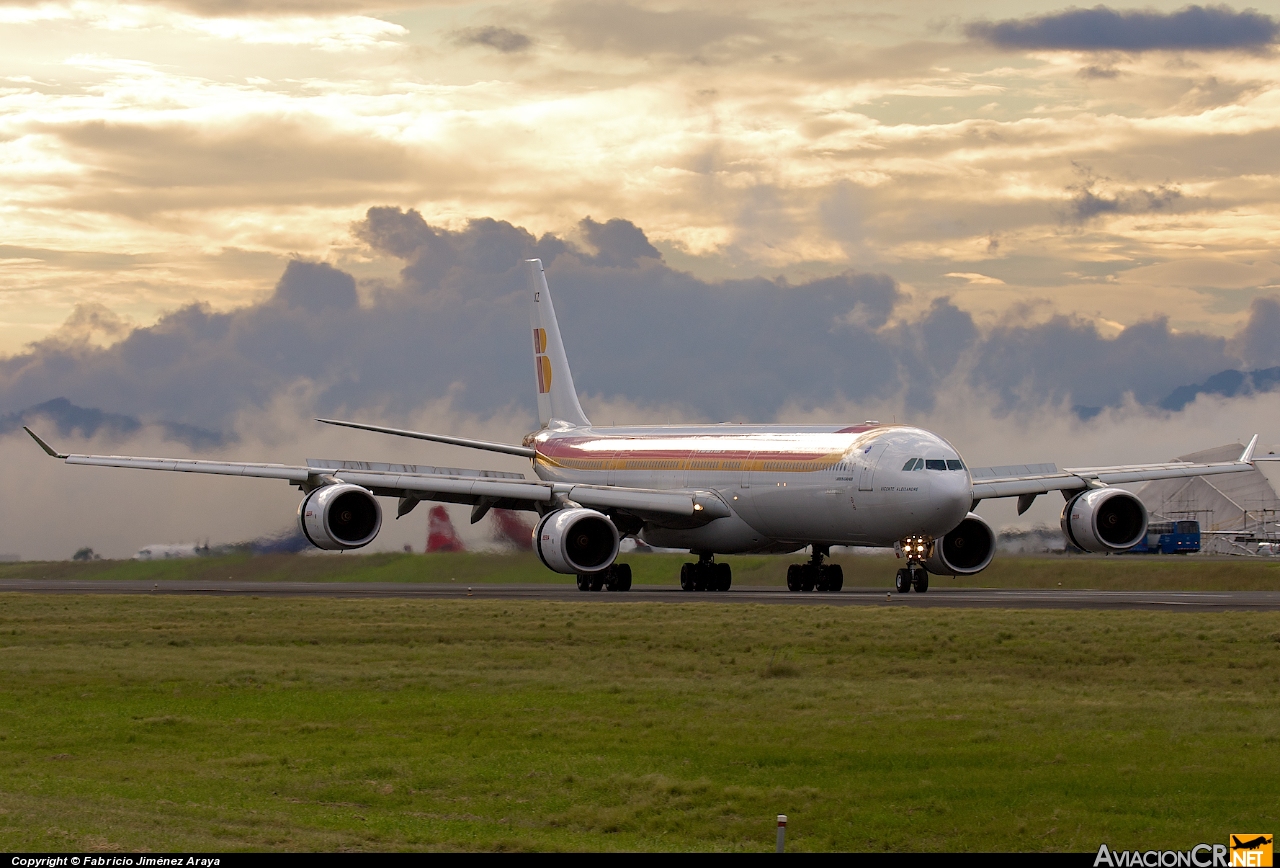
(869, 460)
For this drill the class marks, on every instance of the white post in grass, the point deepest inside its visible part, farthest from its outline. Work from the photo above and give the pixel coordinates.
(782, 831)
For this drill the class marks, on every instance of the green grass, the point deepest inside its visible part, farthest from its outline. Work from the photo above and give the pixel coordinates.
(167, 723)
(1133, 572)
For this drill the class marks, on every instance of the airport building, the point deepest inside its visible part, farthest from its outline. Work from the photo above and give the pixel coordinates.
(1237, 512)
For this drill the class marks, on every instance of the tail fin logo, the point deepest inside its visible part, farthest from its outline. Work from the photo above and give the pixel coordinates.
(542, 362)
(544, 374)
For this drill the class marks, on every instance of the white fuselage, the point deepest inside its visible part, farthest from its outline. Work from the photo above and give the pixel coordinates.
(787, 486)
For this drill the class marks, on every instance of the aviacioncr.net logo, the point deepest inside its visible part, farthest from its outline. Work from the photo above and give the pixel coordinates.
(1243, 851)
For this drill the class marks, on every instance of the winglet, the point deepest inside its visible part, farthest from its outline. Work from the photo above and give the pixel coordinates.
(45, 446)
(1247, 456)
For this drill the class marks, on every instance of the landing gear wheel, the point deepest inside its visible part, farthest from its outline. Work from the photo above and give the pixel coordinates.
(597, 580)
(793, 577)
(902, 581)
(921, 581)
(584, 582)
(834, 577)
(619, 578)
(688, 573)
(808, 578)
(724, 577)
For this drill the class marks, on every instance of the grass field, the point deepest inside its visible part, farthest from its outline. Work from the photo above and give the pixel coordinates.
(1112, 573)
(168, 723)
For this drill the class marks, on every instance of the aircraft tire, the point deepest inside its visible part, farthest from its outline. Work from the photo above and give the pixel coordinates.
(584, 582)
(687, 572)
(620, 579)
(921, 581)
(902, 581)
(835, 577)
(793, 577)
(808, 578)
(724, 577)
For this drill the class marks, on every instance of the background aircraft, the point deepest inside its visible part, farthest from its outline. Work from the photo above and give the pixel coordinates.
(710, 489)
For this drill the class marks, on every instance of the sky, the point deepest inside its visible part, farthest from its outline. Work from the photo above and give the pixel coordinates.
(1047, 232)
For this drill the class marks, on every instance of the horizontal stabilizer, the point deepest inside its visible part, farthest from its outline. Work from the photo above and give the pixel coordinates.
(487, 445)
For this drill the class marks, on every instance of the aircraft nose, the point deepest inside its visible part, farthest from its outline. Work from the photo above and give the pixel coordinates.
(954, 494)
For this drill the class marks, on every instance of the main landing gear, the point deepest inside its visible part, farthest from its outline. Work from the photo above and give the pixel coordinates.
(705, 575)
(911, 576)
(815, 575)
(616, 577)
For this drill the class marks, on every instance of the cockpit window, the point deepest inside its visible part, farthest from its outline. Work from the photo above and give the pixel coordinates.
(910, 465)
(935, 464)
(955, 464)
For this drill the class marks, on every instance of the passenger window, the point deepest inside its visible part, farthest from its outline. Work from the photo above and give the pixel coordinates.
(935, 464)
(955, 464)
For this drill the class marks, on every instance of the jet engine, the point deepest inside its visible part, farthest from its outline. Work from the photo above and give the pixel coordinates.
(1104, 520)
(966, 550)
(576, 540)
(341, 516)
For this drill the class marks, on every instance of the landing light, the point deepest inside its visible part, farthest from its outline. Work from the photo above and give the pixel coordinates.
(697, 506)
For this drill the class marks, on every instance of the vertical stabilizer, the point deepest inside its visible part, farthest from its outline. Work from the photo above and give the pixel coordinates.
(557, 400)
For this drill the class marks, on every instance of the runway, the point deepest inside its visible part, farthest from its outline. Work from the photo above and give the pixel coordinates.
(937, 597)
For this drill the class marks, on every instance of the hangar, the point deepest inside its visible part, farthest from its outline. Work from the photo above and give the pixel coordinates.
(1236, 511)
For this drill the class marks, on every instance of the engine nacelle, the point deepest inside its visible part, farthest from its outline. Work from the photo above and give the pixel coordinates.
(1104, 520)
(342, 516)
(576, 540)
(966, 550)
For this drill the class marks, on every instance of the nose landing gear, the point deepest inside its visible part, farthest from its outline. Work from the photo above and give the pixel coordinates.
(815, 575)
(913, 575)
(705, 575)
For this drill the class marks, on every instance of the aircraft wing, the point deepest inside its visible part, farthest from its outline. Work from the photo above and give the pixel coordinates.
(1028, 480)
(483, 489)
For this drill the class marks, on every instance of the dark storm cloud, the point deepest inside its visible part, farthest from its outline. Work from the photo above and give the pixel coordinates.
(61, 416)
(1066, 361)
(456, 326)
(498, 38)
(1194, 28)
(1257, 342)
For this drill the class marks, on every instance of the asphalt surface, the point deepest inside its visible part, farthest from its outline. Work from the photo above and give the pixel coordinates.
(1184, 601)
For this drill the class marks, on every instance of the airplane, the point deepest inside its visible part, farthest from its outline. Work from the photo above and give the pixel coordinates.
(710, 489)
(1251, 844)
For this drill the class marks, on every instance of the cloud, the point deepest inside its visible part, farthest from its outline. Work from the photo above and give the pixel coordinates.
(1193, 28)
(1229, 384)
(69, 420)
(1257, 342)
(1089, 199)
(498, 38)
(452, 328)
(625, 28)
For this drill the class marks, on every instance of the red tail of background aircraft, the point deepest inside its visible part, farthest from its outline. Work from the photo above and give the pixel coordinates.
(510, 530)
(441, 536)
